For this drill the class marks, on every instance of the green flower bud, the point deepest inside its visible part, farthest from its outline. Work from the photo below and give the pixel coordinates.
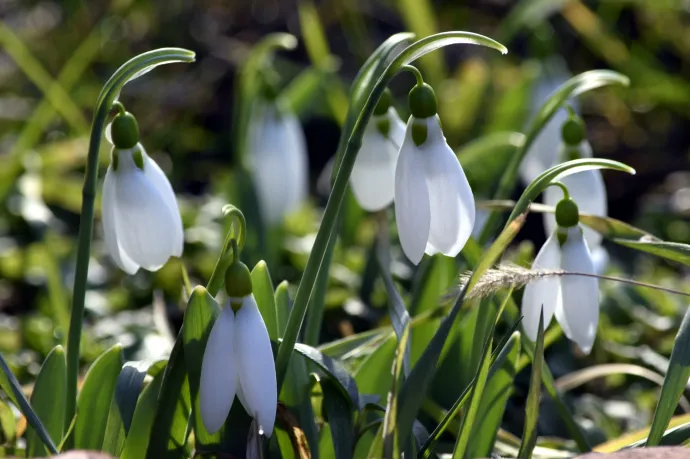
(567, 213)
(238, 280)
(422, 101)
(573, 130)
(125, 131)
(385, 102)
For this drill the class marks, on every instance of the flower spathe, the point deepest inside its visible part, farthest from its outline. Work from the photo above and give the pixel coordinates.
(574, 300)
(238, 360)
(277, 155)
(373, 174)
(434, 205)
(141, 220)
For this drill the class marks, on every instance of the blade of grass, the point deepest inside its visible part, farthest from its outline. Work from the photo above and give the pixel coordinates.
(674, 382)
(50, 409)
(529, 433)
(391, 443)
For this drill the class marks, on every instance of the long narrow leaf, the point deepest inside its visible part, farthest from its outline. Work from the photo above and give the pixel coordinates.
(47, 401)
(674, 382)
(529, 432)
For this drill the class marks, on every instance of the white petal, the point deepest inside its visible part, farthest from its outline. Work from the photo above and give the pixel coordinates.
(145, 225)
(450, 197)
(544, 293)
(373, 175)
(278, 158)
(580, 294)
(160, 180)
(600, 258)
(588, 191)
(412, 212)
(218, 382)
(257, 371)
(108, 219)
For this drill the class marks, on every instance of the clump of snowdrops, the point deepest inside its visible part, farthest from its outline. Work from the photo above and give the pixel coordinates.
(244, 339)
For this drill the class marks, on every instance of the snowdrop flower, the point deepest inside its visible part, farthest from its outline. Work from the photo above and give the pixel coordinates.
(373, 175)
(574, 300)
(277, 156)
(238, 359)
(543, 153)
(434, 205)
(141, 221)
(586, 188)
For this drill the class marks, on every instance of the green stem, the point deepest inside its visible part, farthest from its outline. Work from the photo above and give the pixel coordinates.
(415, 71)
(131, 69)
(563, 188)
(233, 240)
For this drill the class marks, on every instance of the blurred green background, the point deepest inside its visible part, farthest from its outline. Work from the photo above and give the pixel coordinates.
(55, 56)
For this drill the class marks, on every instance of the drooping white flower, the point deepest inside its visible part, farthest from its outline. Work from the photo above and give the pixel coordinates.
(238, 360)
(277, 155)
(574, 300)
(373, 174)
(543, 153)
(434, 204)
(141, 220)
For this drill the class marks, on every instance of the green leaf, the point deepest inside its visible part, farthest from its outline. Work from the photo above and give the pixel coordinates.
(127, 389)
(337, 372)
(344, 167)
(14, 391)
(391, 445)
(529, 432)
(262, 288)
(137, 441)
(95, 397)
(675, 380)
(199, 317)
(339, 414)
(575, 86)
(373, 374)
(48, 402)
(168, 435)
(498, 388)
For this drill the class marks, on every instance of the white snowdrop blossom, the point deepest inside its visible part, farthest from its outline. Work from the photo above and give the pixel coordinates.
(434, 204)
(238, 360)
(277, 156)
(543, 153)
(574, 300)
(373, 174)
(141, 220)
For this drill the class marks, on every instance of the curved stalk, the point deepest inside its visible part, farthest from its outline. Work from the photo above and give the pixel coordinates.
(133, 68)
